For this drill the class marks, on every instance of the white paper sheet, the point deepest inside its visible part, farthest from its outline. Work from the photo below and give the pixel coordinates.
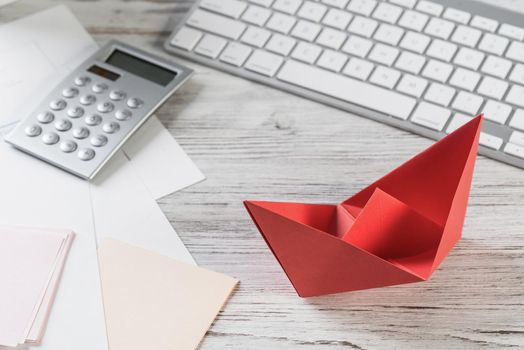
(124, 210)
(38, 195)
(159, 161)
(33, 54)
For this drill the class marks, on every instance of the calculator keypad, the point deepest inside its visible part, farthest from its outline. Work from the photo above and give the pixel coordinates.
(87, 110)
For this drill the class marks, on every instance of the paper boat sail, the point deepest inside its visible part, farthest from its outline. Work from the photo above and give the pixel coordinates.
(397, 230)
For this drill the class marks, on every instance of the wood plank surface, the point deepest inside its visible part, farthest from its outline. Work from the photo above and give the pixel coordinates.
(254, 142)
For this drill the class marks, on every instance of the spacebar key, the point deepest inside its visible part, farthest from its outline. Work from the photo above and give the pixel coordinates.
(347, 89)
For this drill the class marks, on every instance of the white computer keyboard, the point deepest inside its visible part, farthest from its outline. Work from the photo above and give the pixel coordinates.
(422, 66)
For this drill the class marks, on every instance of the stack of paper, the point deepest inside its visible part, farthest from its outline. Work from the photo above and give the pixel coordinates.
(31, 262)
(152, 301)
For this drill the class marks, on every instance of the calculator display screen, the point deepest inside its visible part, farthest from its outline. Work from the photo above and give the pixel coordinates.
(140, 67)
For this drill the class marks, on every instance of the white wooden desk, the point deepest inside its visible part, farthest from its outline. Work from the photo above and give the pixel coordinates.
(255, 142)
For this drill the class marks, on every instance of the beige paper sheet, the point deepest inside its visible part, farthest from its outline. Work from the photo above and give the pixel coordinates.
(155, 302)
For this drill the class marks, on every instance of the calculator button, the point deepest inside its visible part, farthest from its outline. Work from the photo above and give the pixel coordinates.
(86, 154)
(135, 102)
(63, 125)
(75, 112)
(45, 117)
(117, 95)
(81, 132)
(98, 140)
(99, 87)
(123, 114)
(50, 138)
(68, 146)
(82, 80)
(58, 105)
(70, 92)
(111, 127)
(87, 100)
(33, 130)
(93, 119)
(105, 107)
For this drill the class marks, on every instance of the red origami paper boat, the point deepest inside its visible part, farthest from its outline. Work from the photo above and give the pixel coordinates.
(397, 230)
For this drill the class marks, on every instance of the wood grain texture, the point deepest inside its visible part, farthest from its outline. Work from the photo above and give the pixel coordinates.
(254, 142)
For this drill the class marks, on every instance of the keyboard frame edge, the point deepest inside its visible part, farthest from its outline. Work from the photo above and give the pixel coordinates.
(311, 95)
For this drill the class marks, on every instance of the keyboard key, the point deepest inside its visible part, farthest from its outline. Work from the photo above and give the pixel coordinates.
(516, 95)
(385, 77)
(363, 26)
(363, 7)
(430, 7)
(312, 11)
(415, 42)
(443, 50)
(388, 34)
(347, 89)
(494, 44)
(466, 36)
(406, 3)
(498, 67)
(287, 6)
(336, 3)
(440, 28)
(332, 60)
(216, 24)
(358, 68)
(457, 121)
(431, 116)
(484, 23)
(469, 58)
(331, 38)
(516, 51)
(439, 94)
(357, 46)
(517, 122)
(410, 62)
(512, 32)
(265, 3)
(387, 12)
(467, 103)
(492, 87)
(255, 36)
(490, 141)
(230, 8)
(517, 138)
(517, 75)
(235, 54)
(413, 20)
(256, 15)
(412, 85)
(264, 63)
(383, 54)
(496, 111)
(456, 15)
(186, 38)
(306, 52)
(337, 19)
(437, 70)
(281, 44)
(465, 79)
(514, 150)
(281, 23)
(306, 30)
(211, 46)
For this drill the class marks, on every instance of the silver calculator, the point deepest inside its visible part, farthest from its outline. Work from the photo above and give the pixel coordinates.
(91, 113)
